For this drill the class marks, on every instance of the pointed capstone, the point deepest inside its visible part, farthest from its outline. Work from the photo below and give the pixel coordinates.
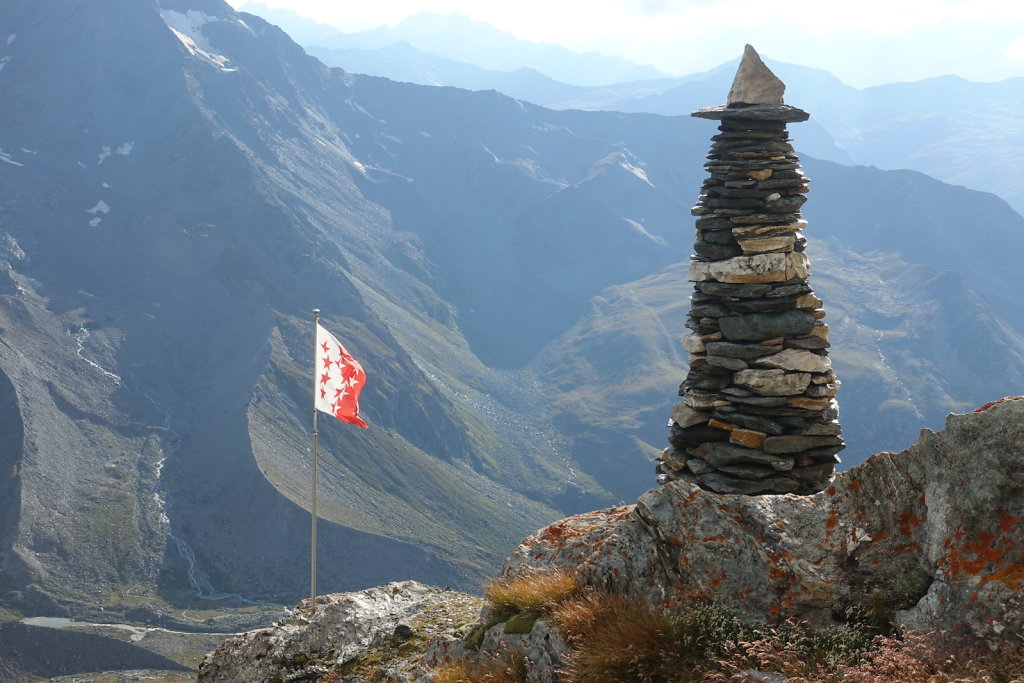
(754, 82)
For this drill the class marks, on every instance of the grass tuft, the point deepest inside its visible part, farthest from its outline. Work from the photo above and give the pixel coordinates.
(614, 640)
(938, 658)
(539, 592)
(507, 667)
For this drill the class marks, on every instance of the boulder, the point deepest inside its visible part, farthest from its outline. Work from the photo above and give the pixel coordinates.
(344, 629)
(938, 529)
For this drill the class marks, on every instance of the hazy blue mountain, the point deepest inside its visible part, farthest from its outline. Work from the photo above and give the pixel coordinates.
(181, 184)
(457, 37)
(302, 30)
(958, 131)
(961, 132)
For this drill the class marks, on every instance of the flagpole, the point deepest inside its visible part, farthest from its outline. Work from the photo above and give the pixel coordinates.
(312, 532)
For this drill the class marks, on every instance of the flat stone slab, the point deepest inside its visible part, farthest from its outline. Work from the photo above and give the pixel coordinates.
(753, 269)
(756, 112)
(762, 326)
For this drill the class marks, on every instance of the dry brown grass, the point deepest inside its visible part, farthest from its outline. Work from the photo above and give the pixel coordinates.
(509, 667)
(614, 640)
(938, 658)
(533, 591)
(577, 617)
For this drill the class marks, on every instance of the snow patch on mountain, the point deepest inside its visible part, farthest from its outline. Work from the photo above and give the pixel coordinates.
(637, 171)
(636, 225)
(188, 27)
(101, 207)
(6, 157)
(124, 150)
(11, 37)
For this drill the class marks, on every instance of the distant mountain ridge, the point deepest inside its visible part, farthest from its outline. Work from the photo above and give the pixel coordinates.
(182, 184)
(960, 132)
(456, 37)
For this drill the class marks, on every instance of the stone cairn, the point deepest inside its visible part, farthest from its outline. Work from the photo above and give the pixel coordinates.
(758, 414)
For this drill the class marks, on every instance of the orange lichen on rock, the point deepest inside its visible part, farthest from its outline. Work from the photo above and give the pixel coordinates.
(995, 403)
(985, 555)
(907, 521)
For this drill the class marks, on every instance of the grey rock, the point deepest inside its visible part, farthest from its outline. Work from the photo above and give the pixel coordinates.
(757, 268)
(785, 204)
(685, 416)
(716, 251)
(773, 382)
(687, 437)
(713, 224)
(819, 429)
(744, 351)
(795, 443)
(700, 466)
(752, 402)
(339, 628)
(808, 343)
(709, 311)
(706, 382)
(794, 359)
(753, 472)
(724, 483)
(822, 390)
(894, 517)
(742, 291)
(720, 454)
(761, 326)
(723, 237)
(817, 475)
(766, 305)
(764, 219)
(726, 362)
(761, 424)
(789, 290)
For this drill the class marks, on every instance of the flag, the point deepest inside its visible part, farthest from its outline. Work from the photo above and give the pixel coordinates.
(339, 379)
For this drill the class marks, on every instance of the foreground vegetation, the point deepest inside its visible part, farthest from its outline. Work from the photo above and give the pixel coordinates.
(613, 640)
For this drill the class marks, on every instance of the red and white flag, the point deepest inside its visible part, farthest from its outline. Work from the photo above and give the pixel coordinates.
(340, 378)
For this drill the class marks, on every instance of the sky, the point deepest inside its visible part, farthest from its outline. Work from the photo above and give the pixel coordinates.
(863, 42)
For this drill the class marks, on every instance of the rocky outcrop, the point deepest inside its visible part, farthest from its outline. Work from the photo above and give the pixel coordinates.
(758, 413)
(935, 531)
(938, 530)
(364, 635)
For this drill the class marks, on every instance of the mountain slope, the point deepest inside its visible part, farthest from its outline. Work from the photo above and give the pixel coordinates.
(182, 184)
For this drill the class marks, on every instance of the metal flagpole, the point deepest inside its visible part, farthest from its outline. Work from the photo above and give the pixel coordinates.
(312, 533)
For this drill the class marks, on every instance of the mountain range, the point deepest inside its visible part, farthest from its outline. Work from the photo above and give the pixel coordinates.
(961, 132)
(182, 184)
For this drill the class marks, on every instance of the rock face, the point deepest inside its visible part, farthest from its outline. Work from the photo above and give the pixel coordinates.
(758, 414)
(935, 530)
(377, 631)
(938, 529)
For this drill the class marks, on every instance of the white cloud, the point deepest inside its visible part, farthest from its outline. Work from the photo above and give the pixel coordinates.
(863, 42)
(1016, 49)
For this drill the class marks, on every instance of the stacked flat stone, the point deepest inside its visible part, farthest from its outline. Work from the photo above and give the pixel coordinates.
(758, 414)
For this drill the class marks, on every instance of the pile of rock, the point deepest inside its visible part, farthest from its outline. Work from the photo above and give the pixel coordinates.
(758, 412)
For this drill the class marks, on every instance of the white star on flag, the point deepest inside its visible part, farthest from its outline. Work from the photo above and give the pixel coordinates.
(340, 378)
